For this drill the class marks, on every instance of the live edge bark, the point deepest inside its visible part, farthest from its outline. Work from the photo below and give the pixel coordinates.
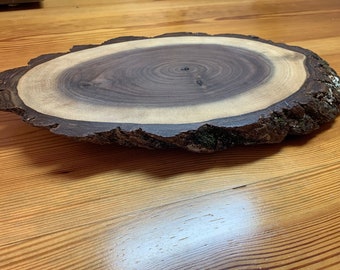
(316, 103)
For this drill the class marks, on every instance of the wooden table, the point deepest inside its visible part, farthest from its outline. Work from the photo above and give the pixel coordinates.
(73, 205)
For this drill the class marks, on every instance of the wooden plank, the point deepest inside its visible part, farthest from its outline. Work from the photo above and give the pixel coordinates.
(126, 180)
(281, 222)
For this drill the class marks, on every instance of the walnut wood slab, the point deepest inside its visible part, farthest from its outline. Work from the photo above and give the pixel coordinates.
(195, 91)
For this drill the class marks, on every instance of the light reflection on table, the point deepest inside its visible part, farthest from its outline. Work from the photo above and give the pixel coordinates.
(156, 238)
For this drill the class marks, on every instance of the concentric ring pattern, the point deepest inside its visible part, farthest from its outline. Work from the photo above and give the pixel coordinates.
(166, 76)
(167, 80)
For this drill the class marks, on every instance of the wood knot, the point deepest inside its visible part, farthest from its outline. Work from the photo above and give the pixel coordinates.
(199, 82)
(185, 69)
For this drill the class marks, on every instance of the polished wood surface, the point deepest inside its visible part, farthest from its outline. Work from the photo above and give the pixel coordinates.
(74, 205)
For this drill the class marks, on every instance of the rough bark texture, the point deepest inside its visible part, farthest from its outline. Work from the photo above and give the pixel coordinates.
(315, 103)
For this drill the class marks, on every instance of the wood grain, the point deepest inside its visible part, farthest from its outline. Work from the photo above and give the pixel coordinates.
(74, 205)
(195, 91)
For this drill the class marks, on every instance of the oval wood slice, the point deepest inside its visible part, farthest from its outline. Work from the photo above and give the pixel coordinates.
(196, 91)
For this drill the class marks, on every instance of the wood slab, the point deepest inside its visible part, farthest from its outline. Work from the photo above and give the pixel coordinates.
(191, 90)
